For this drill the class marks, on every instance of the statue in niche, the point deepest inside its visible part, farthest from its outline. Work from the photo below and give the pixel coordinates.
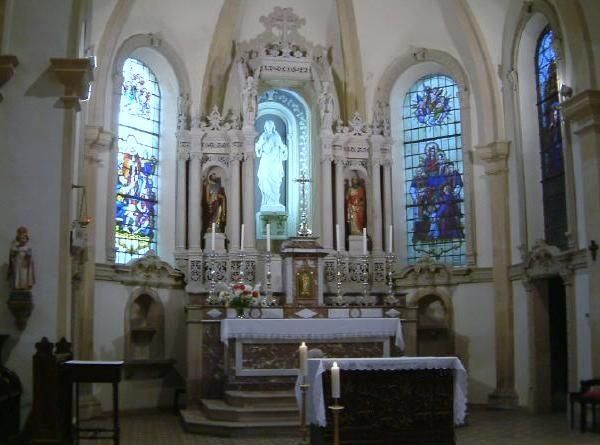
(272, 152)
(356, 205)
(20, 263)
(216, 202)
(249, 101)
(326, 106)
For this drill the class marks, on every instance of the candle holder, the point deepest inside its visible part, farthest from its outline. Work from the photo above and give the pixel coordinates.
(336, 409)
(390, 298)
(304, 413)
(212, 295)
(363, 300)
(269, 299)
(242, 271)
(339, 299)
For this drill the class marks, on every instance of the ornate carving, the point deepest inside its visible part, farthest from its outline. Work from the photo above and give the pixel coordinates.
(544, 260)
(150, 270)
(76, 76)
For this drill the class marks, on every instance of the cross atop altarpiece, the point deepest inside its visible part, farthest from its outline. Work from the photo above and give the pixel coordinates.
(284, 19)
(303, 229)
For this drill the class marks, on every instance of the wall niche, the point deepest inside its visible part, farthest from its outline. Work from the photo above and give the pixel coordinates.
(145, 336)
(434, 330)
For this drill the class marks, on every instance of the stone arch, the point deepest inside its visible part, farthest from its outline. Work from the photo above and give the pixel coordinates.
(434, 62)
(144, 325)
(435, 327)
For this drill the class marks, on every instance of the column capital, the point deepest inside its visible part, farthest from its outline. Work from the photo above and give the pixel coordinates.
(582, 111)
(183, 153)
(494, 156)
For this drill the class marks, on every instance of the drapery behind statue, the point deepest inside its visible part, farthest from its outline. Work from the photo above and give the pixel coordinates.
(216, 202)
(272, 152)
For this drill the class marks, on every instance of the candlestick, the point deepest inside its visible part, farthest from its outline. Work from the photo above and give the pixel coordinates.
(212, 294)
(212, 238)
(242, 238)
(303, 413)
(336, 409)
(390, 248)
(339, 299)
(303, 352)
(335, 381)
(337, 237)
(390, 298)
(364, 240)
(364, 298)
(268, 237)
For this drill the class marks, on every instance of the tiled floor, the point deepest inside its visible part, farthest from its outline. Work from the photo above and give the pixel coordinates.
(485, 428)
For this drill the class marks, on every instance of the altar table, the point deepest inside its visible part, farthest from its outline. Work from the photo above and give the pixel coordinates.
(404, 400)
(312, 329)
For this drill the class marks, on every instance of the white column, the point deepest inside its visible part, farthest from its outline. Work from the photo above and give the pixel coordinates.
(233, 204)
(387, 200)
(326, 191)
(195, 218)
(340, 217)
(494, 157)
(183, 154)
(375, 225)
(248, 202)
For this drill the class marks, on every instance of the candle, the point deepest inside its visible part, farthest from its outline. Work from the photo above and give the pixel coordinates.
(390, 239)
(303, 351)
(242, 238)
(335, 381)
(212, 238)
(364, 240)
(337, 237)
(268, 237)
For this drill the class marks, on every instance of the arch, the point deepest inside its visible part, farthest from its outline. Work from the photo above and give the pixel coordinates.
(431, 61)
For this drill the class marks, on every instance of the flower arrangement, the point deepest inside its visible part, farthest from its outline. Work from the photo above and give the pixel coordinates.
(240, 297)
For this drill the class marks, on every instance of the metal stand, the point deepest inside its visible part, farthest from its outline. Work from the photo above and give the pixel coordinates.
(390, 298)
(242, 273)
(336, 408)
(364, 298)
(303, 427)
(303, 229)
(339, 299)
(269, 299)
(212, 296)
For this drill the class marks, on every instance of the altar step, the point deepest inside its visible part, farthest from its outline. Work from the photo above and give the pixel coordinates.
(245, 413)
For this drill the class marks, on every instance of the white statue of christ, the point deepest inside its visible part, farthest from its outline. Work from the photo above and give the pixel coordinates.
(272, 152)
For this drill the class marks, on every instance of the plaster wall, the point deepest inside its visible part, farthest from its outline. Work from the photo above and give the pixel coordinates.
(474, 310)
(101, 13)
(584, 338)
(33, 140)
(109, 336)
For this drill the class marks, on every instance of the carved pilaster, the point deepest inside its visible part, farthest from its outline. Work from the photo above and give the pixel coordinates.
(76, 76)
(8, 64)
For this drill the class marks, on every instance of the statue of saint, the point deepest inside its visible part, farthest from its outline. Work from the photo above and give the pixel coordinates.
(326, 106)
(271, 151)
(249, 101)
(356, 206)
(20, 263)
(216, 202)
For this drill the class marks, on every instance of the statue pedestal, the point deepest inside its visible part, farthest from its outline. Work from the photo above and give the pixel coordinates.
(219, 242)
(303, 280)
(355, 245)
(20, 304)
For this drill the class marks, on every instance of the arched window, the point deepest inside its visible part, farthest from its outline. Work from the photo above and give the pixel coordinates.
(551, 149)
(433, 171)
(136, 213)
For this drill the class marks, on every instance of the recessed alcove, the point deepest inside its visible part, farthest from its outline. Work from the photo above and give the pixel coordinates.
(434, 331)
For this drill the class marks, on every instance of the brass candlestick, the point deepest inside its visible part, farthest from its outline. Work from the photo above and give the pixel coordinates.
(336, 409)
(303, 413)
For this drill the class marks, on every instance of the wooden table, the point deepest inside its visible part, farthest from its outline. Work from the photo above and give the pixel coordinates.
(81, 371)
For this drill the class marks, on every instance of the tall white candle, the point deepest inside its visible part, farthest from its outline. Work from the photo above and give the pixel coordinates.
(390, 239)
(364, 240)
(337, 237)
(268, 237)
(242, 238)
(303, 352)
(335, 381)
(212, 237)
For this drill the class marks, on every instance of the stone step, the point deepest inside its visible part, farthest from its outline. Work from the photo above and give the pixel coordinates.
(215, 409)
(260, 398)
(194, 421)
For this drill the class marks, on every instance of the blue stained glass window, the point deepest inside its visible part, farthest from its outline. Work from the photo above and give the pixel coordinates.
(551, 148)
(433, 171)
(136, 214)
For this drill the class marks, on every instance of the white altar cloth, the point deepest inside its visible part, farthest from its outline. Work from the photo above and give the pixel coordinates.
(316, 367)
(312, 329)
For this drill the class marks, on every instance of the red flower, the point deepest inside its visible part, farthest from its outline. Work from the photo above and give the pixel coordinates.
(255, 294)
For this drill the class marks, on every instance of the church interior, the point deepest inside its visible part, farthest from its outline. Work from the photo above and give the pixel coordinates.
(243, 212)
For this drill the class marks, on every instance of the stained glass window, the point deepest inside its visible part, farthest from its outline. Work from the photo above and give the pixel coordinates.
(136, 214)
(433, 171)
(551, 150)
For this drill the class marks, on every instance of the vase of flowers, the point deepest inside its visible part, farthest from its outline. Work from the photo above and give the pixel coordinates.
(240, 297)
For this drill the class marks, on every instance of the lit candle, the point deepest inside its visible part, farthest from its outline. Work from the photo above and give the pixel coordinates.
(242, 238)
(390, 239)
(212, 238)
(364, 240)
(268, 237)
(303, 351)
(335, 381)
(337, 236)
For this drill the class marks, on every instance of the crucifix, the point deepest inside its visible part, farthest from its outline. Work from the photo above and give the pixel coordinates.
(303, 229)
(286, 20)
